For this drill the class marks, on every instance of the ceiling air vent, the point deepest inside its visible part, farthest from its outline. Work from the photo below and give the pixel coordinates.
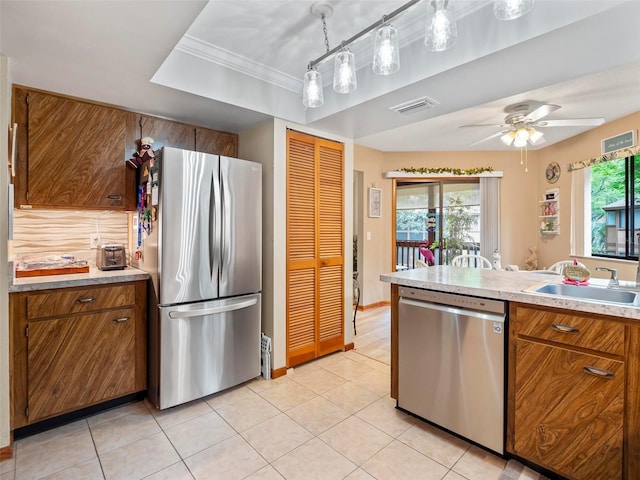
(414, 106)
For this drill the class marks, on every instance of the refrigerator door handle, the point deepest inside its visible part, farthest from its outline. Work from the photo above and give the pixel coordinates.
(225, 217)
(214, 231)
(213, 310)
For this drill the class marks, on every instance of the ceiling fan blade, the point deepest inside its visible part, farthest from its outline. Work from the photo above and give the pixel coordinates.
(572, 122)
(541, 111)
(495, 125)
(484, 139)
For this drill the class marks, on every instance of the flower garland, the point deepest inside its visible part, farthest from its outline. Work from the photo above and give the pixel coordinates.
(453, 171)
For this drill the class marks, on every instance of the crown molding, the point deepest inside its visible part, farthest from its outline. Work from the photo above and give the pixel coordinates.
(220, 56)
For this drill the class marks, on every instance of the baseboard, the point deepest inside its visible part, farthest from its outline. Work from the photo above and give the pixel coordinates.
(7, 452)
(349, 346)
(278, 372)
(384, 303)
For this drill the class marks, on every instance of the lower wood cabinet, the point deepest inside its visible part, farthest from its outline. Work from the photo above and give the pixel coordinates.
(89, 349)
(573, 393)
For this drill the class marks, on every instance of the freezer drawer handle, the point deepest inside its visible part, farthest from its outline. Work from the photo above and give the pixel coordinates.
(86, 300)
(558, 327)
(120, 320)
(211, 311)
(599, 372)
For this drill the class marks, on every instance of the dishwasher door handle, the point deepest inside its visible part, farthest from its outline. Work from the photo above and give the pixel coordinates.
(453, 310)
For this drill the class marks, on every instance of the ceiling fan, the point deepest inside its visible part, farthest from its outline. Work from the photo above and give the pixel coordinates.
(519, 127)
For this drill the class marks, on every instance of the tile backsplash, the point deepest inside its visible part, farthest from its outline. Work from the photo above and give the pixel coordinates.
(56, 232)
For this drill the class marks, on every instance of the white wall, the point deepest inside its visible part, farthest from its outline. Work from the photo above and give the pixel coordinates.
(272, 152)
(5, 112)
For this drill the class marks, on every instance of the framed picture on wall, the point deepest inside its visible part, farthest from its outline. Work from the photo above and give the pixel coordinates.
(375, 199)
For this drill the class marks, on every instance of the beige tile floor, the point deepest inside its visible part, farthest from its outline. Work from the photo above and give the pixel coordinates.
(329, 419)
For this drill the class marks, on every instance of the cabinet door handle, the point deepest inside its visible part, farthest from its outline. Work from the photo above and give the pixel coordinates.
(86, 300)
(599, 372)
(114, 197)
(558, 327)
(125, 319)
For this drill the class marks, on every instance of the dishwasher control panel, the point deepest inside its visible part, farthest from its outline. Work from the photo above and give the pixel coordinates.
(451, 299)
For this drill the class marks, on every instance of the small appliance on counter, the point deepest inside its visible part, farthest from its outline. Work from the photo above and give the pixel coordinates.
(111, 257)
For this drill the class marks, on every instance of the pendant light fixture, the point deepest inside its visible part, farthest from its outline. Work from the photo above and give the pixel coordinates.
(344, 72)
(386, 50)
(312, 93)
(442, 30)
(512, 9)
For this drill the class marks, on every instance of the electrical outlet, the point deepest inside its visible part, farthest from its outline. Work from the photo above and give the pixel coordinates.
(94, 240)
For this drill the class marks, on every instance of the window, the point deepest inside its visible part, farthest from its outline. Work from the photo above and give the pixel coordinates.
(614, 188)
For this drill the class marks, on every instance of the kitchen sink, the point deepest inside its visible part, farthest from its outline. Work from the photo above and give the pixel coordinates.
(587, 292)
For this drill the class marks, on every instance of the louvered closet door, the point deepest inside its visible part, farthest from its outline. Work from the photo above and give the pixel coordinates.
(331, 286)
(314, 247)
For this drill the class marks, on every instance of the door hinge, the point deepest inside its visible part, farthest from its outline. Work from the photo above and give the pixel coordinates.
(27, 194)
(27, 99)
(26, 412)
(26, 331)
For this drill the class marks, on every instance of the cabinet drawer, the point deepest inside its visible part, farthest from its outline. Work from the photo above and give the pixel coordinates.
(571, 329)
(74, 300)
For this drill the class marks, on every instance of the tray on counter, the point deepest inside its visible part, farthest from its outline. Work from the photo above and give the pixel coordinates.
(51, 271)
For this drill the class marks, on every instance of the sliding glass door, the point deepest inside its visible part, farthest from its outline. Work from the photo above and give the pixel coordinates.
(435, 221)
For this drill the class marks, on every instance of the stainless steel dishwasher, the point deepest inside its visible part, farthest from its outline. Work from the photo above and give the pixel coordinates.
(451, 368)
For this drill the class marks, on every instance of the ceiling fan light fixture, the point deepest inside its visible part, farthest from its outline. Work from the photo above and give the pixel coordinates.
(344, 73)
(512, 9)
(534, 135)
(442, 30)
(386, 51)
(508, 137)
(312, 94)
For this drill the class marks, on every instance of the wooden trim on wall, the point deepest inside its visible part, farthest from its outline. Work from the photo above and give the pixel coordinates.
(7, 452)
(278, 372)
(384, 303)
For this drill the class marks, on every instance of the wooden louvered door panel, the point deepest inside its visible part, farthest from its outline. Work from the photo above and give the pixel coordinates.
(315, 275)
(77, 361)
(566, 419)
(331, 248)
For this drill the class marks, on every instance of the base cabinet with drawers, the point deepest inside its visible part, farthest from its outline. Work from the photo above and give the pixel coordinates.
(573, 396)
(75, 347)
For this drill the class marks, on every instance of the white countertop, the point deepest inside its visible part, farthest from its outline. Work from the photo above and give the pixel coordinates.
(504, 285)
(94, 277)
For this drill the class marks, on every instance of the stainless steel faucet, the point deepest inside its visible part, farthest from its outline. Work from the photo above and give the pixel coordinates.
(614, 276)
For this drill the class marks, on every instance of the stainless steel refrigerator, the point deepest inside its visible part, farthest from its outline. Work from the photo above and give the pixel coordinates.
(200, 239)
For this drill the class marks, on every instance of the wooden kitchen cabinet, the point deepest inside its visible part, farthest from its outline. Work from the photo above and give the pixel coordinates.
(216, 142)
(573, 396)
(75, 347)
(167, 133)
(70, 152)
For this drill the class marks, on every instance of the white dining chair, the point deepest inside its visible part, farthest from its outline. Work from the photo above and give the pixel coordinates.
(470, 261)
(421, 264)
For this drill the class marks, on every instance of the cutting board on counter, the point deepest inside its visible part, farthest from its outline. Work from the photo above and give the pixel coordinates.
(51, 271)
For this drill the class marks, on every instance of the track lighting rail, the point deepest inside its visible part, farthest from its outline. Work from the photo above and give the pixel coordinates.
(373, 26)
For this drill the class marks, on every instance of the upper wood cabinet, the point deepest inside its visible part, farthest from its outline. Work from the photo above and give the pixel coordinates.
(70, 153)
(216, 142)
(167, 133)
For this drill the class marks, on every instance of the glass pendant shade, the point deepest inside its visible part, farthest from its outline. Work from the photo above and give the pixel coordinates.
(442, 30)
(508, 137)
(386, 52)
(534, 136)
(521, 138)
(512, 9)
(344, 73)
(312, 95)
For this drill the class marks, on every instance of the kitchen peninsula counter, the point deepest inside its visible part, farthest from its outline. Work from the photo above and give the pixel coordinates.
(505, 285)
(94, 277)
